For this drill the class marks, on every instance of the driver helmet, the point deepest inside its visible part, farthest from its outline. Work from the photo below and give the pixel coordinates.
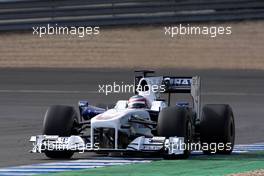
(137, 101)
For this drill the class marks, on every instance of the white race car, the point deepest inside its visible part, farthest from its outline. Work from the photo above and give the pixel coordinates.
(145, 123)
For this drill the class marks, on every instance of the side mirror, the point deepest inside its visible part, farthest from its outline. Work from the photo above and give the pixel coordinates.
(83, 103)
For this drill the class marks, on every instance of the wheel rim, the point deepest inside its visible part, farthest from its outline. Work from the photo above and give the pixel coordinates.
(189, 131)
(188, 137)
(232, 131)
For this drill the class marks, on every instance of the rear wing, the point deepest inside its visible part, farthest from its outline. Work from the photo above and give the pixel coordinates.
(177, 84)
(190, 85)
(171, 84)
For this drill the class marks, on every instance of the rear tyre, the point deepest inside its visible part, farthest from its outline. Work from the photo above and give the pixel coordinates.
(217, 129)
(176, 121)
(59, 120)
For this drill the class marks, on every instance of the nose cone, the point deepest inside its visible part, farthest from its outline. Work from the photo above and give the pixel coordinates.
(108, 119)
(107, 116)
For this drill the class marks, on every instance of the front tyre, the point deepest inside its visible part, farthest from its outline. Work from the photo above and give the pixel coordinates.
(59, 120)
(176, 121)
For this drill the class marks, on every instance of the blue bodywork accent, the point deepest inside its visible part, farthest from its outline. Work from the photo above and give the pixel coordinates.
(87, 111)
(182, 104)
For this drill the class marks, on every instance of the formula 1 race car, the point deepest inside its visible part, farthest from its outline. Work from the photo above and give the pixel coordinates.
(146, 123)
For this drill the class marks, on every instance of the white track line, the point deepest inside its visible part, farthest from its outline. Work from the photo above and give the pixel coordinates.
(79, 164)
(46, 91)
(14, 174)
(247, 147)
(233, 93)
(34, 170)
(55, 166)
(45, 168)
(113, 161)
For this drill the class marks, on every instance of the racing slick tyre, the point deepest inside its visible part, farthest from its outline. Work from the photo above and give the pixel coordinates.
(59, 120)
(176, 121)
(217, 129)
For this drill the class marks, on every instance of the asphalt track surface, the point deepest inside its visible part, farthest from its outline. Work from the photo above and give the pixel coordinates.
(25, 95)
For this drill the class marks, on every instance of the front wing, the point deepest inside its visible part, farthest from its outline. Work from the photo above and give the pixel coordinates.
(42, 143)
